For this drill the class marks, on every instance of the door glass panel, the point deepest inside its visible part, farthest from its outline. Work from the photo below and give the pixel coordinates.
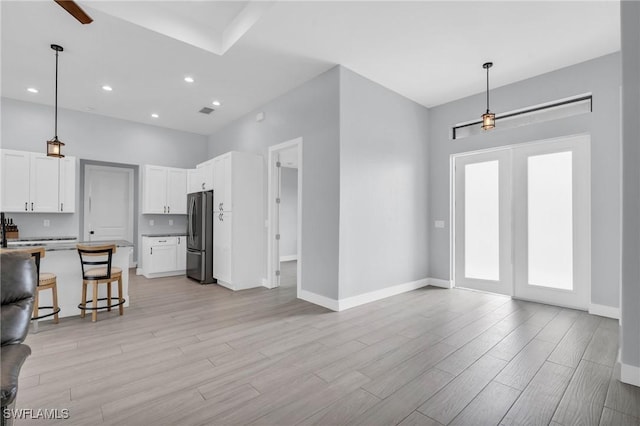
(550, 220)
(482, 221)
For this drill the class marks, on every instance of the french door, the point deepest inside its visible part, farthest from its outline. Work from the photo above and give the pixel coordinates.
(538, 246)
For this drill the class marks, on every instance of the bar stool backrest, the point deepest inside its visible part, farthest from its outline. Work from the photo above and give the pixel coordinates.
(95, 257)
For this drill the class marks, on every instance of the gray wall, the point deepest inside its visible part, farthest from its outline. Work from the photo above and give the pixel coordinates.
(310, 111)
(600, 76)
(27, 126)
(383, 187)
(630, 15)
(289, 212)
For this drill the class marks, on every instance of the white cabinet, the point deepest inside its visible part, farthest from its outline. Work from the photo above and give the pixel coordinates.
(181, 253)
(163, 256)
(67, 180)
(164, 190)
(238, 222)
(222, 242)
(33, 182)
(204, 176)
(194, 181)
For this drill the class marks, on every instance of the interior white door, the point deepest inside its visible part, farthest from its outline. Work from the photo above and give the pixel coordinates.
(483, 240)
(552, 222)
(108, 203)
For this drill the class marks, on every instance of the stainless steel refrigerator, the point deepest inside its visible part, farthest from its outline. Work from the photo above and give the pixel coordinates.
(200, 237)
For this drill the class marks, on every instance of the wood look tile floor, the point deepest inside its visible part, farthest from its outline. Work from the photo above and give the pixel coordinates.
(186, 354)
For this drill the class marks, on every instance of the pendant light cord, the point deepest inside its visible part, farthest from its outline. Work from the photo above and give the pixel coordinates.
(56, 101)
(487, 90)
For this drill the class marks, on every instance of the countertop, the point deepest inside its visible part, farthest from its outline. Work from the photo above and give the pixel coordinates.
(70, 245)
(27, 239)
(174, 234)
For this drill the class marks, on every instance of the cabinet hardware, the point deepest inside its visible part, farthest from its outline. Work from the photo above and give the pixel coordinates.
(162, 241)
(220, 206)
(168, 209)
(31, 206)
(151, 250)
(202, 185)
(61, 207)
(178, 240)
(25, 206)
(164, 209)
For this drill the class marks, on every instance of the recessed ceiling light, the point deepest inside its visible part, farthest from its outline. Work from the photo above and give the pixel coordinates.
(189, 79)
(154, 115)
(107, 88)
(32, 90)
(216, 103)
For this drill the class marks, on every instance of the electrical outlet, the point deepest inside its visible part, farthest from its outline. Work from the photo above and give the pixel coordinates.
(170, 222)
(46, 223)
(439, 224)
(151, 222)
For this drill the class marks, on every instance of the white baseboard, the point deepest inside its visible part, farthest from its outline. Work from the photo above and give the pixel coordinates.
(437, 282)
(139, 271)
(630, 374)
(317, 299)
(604, 311)
(372, 296)
(163, 274)
(288, 258)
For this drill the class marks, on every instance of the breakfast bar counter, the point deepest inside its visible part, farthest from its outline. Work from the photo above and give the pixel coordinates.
(62, 259)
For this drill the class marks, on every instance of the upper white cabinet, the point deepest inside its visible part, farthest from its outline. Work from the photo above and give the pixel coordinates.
(194, 181)
(33, 182)
(164, 190)
(205, 175)
(238, 221)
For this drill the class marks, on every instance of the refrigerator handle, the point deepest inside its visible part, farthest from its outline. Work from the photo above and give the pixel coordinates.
(191, 202)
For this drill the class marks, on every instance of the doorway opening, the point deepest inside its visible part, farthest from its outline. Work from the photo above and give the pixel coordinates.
(522, 223)
(285, 215)
(109, 194)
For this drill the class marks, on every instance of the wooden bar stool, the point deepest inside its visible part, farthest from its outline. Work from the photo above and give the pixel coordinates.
(96, 269)
(46, 281)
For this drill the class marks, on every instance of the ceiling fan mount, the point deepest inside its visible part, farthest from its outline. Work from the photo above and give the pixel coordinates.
(75, 11)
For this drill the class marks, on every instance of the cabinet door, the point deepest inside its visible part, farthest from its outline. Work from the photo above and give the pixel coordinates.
(194, 181)
(222, 222)
(67, 190)
(181, 253)
(15, 180)
(205, 171)
(176, 191)
(222, 183)
(43, 188)
(154, 190)
(163, 258)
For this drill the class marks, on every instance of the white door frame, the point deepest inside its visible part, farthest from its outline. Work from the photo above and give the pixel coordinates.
(452, 210)
(273, 258)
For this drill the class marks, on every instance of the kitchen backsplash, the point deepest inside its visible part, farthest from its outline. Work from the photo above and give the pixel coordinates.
(62, 225)
(33, 224)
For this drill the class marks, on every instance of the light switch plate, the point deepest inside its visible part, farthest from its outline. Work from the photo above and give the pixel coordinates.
(170, 222)
(439, 224)
(46, 223)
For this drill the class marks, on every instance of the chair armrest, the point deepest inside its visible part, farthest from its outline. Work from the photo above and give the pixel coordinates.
(12, 357)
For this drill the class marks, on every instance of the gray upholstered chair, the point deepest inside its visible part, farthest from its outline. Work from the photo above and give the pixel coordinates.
(18, 280)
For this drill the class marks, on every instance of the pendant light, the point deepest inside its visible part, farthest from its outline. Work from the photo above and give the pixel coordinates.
(488, 118)
(54, 146)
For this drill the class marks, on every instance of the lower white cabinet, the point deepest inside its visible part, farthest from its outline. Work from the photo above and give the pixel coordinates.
(163, 256)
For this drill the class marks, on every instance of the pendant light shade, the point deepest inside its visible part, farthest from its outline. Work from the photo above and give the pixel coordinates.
(488, 118)
(54, 145)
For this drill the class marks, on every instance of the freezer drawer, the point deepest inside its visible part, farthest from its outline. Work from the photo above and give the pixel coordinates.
(199, 267)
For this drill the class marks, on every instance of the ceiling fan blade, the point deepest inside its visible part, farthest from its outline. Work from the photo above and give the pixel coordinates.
(75, 11)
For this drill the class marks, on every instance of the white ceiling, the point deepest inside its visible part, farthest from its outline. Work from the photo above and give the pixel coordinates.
(248, 53)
